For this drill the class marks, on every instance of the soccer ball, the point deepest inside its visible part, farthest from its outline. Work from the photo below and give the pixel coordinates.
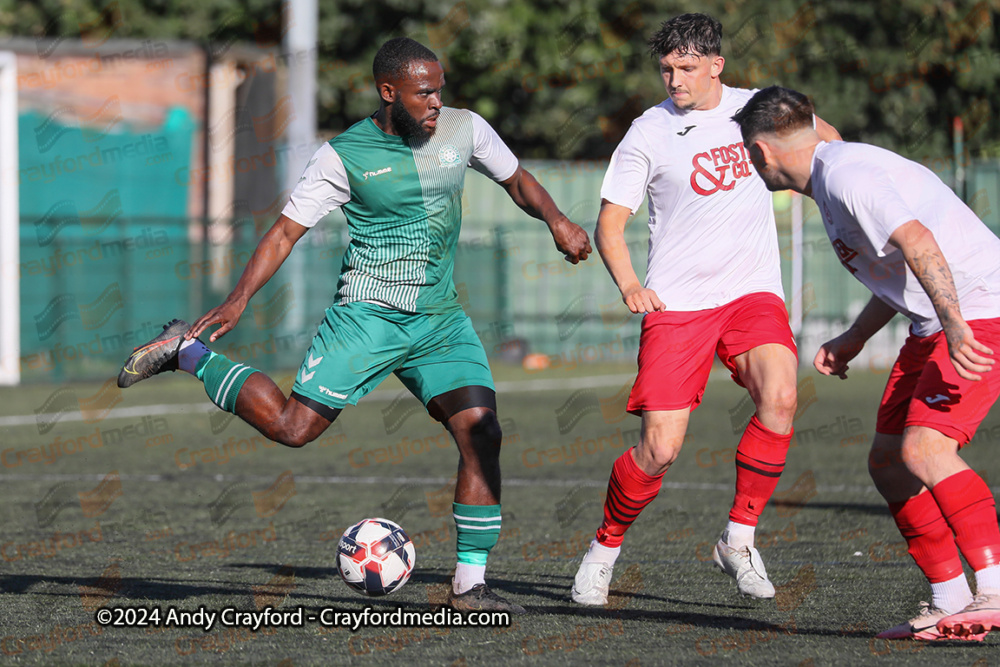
(375, 557)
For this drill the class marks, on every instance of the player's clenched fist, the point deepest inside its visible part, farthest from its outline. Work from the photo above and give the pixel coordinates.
(641, 300)
(571, 240)
(834, 354)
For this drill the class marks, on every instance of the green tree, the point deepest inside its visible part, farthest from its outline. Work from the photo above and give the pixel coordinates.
(564, 80)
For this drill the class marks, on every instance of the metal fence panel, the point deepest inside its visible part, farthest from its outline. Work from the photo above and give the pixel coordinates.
(91, 294)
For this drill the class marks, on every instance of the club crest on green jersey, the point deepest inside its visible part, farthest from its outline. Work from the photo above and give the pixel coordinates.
(449, 156)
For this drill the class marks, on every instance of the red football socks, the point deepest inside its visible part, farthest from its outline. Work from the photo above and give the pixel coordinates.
(629, 491)
(760, 459)
(969, 508)
(928, 536)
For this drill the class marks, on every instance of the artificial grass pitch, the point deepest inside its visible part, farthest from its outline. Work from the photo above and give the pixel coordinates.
(159, 508)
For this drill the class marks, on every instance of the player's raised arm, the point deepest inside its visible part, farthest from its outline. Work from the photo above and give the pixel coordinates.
(492, 158)
(571, 239)
(267, 258)
(924, 257)
(609, 237)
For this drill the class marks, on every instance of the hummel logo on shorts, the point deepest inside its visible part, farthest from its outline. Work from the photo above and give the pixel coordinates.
(332, 393)
(936, 399)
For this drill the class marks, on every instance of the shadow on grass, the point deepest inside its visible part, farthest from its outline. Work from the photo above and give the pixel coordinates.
(130, 587)
(874, 509)
(171, 590)
(676, 611)
(125, 589)
(423, 576)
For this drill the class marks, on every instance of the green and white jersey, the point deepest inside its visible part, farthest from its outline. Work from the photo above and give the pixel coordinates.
(403, 206)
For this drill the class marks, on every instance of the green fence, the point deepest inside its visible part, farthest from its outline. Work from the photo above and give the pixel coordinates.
(102, 230)
(93, 286)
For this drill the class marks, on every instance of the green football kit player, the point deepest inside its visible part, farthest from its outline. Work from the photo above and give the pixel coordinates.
(398, 176)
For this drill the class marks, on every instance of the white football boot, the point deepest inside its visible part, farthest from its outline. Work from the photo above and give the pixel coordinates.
(593, 579)
(746, 567)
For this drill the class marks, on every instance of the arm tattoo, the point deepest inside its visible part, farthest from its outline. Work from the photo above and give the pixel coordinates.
(932, 271)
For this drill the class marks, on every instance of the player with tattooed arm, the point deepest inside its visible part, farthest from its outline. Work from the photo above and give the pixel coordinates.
(923, 253)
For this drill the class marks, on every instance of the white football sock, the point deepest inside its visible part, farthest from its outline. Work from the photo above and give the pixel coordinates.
(190, 354)
(738, 535)
(953, 595)
(988, 580)
(467, 576)
(598, 553)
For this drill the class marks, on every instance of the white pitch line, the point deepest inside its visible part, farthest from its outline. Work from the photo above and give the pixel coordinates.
(381, 395)
(389, 481)
(116, 413)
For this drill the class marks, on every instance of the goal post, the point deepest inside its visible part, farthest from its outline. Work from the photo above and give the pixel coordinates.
(10, 301)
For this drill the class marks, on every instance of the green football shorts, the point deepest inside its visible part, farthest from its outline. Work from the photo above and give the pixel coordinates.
(359, 344)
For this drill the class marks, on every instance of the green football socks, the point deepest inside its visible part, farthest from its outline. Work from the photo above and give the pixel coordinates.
(478, 528)
(223, 379)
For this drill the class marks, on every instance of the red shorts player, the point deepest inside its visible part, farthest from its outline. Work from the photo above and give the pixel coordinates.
(899, 230)
(713, 287)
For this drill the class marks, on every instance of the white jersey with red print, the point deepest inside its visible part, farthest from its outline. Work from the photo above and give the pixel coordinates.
(865, 193)
(712, 237)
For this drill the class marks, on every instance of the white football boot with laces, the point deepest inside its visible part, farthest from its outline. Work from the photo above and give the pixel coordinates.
(745, 565)
(593, 579)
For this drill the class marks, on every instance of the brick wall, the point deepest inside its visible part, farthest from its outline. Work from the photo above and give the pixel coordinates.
(140, 81)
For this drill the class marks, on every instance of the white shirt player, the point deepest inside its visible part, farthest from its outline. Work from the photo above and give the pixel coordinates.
(712, 237)
(864, 193)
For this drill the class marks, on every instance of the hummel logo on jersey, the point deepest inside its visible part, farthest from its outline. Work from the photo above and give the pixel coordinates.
(936, 399)
(686, 130)
(384, 170)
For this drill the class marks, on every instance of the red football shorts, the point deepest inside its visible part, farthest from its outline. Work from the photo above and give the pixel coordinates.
(676, 348)
(924, 389)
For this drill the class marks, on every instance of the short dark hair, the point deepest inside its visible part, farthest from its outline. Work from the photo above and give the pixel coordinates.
(394, 57)
(774, 110)
(697, 34)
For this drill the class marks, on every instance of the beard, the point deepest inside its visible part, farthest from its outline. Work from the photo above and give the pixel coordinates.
(772, 181)
(407, 126)
(687, 104)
